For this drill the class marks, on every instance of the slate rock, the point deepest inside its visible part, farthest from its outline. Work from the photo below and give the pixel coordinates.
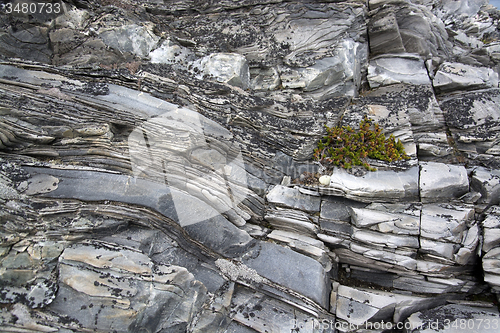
(375, 186)
(402, 224)
(384, 35)
(362, 307)
(40, 184)
(291, 197)
(397, 27)
(446, 318)
(486, 182)
(122, 289)
(439, 181)
(358, 307)
(386, 70)
(265, 79)
(445, 221)
(455, 76)
(260, 313)
(473, 118)
(290, 269)
(335, 76)
(230, 68)
(26, 42)
(491, 227)
(131, 38)
(214, 229)
(293, 221)
(171, 52)
(308, 246)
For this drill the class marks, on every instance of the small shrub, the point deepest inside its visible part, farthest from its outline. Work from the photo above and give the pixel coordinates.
(347, 147)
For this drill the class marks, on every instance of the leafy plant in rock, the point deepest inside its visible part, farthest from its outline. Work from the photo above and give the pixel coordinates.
(346, 147)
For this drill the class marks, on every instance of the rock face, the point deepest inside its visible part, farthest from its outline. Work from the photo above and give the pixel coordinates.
(156, 168)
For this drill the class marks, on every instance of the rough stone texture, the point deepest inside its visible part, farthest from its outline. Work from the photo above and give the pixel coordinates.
(398, 27)
(455, 76)
(376, 186)
(448, 318)
(473, 119)
(440, 181)
(491, 247)
(156, 168)
(291, 197)
(390, 70)
(228, 68)
(486, 182)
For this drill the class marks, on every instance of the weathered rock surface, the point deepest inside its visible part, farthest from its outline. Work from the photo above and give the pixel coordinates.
(156, 168)
(391, 70)
(452, 318)
(439, 181)
(455, 76)
(377, 186)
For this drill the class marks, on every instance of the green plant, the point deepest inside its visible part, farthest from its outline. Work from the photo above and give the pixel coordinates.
(347, 147)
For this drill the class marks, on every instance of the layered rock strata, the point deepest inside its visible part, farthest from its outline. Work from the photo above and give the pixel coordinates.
(156, 168)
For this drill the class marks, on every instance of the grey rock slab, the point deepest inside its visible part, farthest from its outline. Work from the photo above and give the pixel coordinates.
(363, 305)
(359, 306)
(217, 232)
(453, 76)
(311, 247)
(291, 197)
(384, 34)
(385, 222)
(30, 42)
(440, 249)
(397, 27)
(491, 261)
(469, 247)
(404, 262)
(383, 239)
(337, 228)
(264, 314)
(445, 222)
(405, 103)
(230, 68)
(492, 219)
(264, 79)
(491, 239)
(289, 269)
(439, 181)
(107, 287)
(132, 38)
(328, 73)
(40, 184)
(384, 71)
(101, 257)
(423, 286)
(473, 118)
(377, 186)
(486, 182)
(453, 318)
(170, 52)
(292, 220)
(470, 111)
(338, 209)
